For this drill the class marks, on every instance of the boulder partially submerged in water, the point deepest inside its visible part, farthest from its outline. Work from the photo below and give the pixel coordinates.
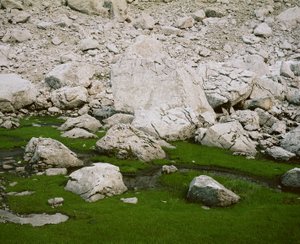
(43, 153)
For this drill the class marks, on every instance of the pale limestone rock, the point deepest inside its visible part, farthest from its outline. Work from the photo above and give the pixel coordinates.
(159, 86)
(84, 121)
(43, 153)
(131, 200)
(70, 74)
(206, 190)
(56, 171)
(185, 22)
(15, 92)
(290, 17)
(96, 182)
(78, 133)
(169, 169)
(229, 135)
(145, 21)
(17, 35)
(69, 97)
(88, 44)
(12, 4)
(118, 119)
(263, 30)
(126, 141)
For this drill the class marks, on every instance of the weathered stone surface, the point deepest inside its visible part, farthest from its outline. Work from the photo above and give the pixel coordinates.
(263, 29)
(88, 44)
(4, 52)
(32, 219)
(185, 22)
(291, 141)
(78, 133)
(70, 74)
(56, 202)
(15, 92)
(43, 153)
(279, 153)
(56, 171)
(11, 4)
(17, 35)
(291, 178)
(169, 169)
(249, 119)
(84, 121)
(69, 97)
(225, 85)
(126, 141)
(290, 17)
(206, 190)
(96, 182)
(131, 200)
(118, 119)
(229, 135)
(145, 21)
(157, 84)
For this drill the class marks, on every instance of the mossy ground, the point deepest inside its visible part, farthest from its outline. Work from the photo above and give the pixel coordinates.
(162, 215)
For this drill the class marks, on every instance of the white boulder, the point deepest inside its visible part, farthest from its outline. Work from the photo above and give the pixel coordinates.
(124, 141)
(84, 121)
(291, 141)
(96, 182)
(279, 153)
(291, 178)
(78, 133)
(43, 153)
(15, 92)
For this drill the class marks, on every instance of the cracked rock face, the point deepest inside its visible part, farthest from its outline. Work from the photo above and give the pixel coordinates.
(96, 182)
(229, 135)
(225, 84)
(43, 153)
(125, 141)
(206, 190)
(159, 86)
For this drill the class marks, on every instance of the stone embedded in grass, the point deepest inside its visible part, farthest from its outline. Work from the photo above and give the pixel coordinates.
(96, 182)
(56, 171)
(131, 200)
(125, 141)
(280, 153)
(291, 178)
(169, 169)
(78, 133)
(56, 202)
(84, 122)
(43, 153)
(206, 190)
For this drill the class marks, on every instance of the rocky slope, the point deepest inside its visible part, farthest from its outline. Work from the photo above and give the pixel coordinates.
(226, 72)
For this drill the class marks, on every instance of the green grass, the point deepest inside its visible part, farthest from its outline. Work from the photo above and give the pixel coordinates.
(193, 154)
(19, 137)
(161, 215)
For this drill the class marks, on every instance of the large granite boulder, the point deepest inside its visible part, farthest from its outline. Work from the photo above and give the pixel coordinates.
(291, 141)
(84, 121)
(70, 74)
(158, 85)
(230, 135)
(15, 92)
(206, 190)
(96, 182)
(291, 178)
(43, 153)
(125, 141)
(69, 97)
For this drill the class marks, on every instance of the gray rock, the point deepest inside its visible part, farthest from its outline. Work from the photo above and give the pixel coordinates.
(96, 182)
(56, 171)
(69, 97)
(4, 52)
(17, 35)
(169, 169)
(33, 219)
(118, 119)
(291, 178)
(290, 17)
(293, 96)
(291, 141)
(43, 153)
(70, 74)
(78, 133)
(126, 141)
(229, 135)
(145, 21)
(263, 29)
(88, 44)
(185, 22)
(285, 70)
(84, 121)
(206, 190)
(15, 92)
(279, 153)
(12, 4)
(199, 15)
